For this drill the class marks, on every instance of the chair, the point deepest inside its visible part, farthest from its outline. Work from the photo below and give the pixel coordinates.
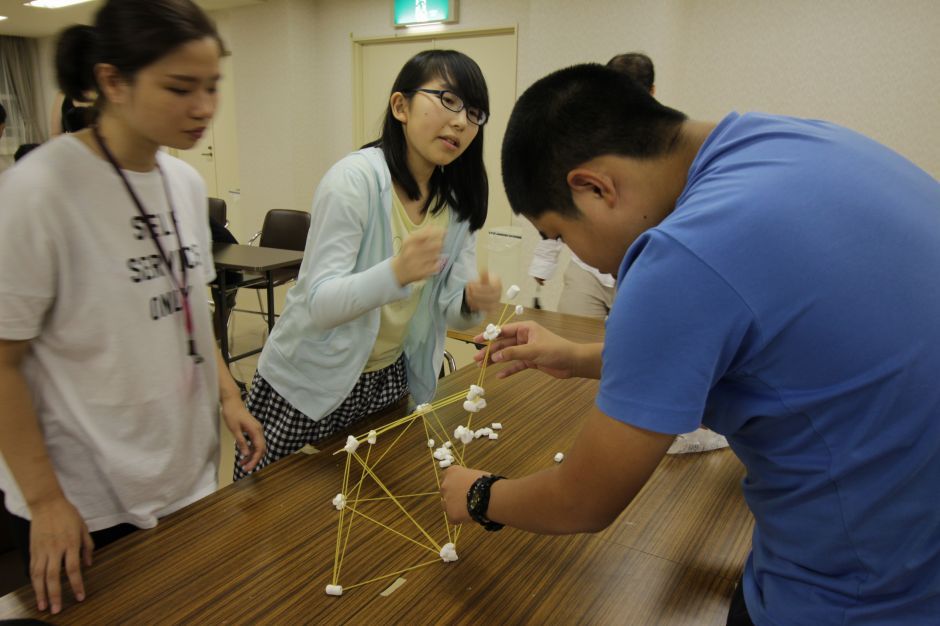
(285, 229)
(218, 211)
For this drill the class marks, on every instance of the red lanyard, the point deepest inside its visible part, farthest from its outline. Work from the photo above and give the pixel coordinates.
(180, 285)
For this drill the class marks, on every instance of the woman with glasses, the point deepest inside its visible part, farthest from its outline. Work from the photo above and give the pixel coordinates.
(389, 264)
(110, 380)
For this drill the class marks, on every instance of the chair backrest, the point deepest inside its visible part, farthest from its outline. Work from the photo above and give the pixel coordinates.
(285, 228)
(218, 210)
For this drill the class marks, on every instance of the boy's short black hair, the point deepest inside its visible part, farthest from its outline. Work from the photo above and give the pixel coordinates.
(637, 66)
(570, 117)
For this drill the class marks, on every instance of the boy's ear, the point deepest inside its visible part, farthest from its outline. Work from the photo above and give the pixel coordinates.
(585, 182)
(399, 106)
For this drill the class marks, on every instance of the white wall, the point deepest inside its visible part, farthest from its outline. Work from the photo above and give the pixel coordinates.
(871, 65)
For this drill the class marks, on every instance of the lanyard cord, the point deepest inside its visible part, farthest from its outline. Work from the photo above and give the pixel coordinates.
(180, 285)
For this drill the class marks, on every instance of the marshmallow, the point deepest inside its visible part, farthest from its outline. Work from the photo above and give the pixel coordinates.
(493, 435)
(339, 502)
(483, 432)
(448, 445)
(373, 436)
(449, 552)
(351, 444)
(445, 463)
(465, 435)
(496, 426)
(334, 590)
(492, 332)
(559, 457)
(423, 408)
(441, 453)
(471, 406)
(512, 292)
(476, 391)
(430, 443)
(520, 309)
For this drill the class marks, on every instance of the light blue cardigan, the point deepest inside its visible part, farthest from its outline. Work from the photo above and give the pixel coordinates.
(322, 341)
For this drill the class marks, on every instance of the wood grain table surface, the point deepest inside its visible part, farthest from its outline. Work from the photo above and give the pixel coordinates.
(262, 550)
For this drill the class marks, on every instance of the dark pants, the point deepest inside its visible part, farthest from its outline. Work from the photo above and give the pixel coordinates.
(737, 612)
(101, 538)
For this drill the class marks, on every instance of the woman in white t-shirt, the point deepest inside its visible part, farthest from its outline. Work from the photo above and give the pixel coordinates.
(109, 372)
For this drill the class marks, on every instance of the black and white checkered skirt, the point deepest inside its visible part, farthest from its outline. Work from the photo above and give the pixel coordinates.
(287, 430)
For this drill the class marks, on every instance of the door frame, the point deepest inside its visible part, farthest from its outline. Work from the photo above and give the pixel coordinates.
(358, 43)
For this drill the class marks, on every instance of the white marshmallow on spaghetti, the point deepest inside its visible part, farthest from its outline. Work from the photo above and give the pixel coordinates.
(449, 552)
(334, 590)
(520, 309)
(351, 444)
(339, 501)
(372, 438)
(512, 292)
(559, 457)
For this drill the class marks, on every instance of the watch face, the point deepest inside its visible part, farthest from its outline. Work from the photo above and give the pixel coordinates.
(475, 499)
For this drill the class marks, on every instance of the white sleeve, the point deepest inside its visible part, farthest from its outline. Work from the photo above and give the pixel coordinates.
(545, 258)
(340, 210)
(28, 255)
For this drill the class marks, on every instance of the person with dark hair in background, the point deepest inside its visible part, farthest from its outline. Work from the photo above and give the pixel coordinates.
(3, 126)
(23, 150)
(109, 374)
(771, 284)
(390, 263)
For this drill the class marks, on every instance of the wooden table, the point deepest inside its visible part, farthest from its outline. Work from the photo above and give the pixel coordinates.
(573, 327)
(262, 550)
(256, 260)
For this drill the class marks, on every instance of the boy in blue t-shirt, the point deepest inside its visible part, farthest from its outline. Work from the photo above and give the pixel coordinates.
(775, 282)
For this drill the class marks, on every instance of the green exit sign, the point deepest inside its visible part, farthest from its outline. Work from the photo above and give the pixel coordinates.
(412, 12)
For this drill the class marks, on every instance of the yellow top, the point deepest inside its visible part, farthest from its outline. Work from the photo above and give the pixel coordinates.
(396, 315)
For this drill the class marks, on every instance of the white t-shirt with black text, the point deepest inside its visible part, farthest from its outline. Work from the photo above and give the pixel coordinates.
(130, 420)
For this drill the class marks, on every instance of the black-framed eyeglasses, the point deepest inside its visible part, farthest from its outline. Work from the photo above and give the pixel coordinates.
(453, 102)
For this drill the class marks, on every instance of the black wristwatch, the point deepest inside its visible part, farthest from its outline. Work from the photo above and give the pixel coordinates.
(478, 500)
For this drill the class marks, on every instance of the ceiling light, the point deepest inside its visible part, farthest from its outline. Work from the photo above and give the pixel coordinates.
(2, 17)
(53, 4)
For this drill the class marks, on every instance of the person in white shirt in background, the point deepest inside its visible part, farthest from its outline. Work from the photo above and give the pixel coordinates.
(589, 292)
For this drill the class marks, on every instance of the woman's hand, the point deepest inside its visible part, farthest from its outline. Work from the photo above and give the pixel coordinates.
(57, 534)
(483, 295)
(420, 256)
(248, 433)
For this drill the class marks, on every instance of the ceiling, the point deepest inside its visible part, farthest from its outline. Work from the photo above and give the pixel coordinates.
(26, 21)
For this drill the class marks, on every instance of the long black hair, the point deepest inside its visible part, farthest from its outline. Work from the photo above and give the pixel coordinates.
(462, 184)
(130, 35)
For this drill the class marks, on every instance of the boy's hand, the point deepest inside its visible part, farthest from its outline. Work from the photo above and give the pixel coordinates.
(529, 346)
(454, 488)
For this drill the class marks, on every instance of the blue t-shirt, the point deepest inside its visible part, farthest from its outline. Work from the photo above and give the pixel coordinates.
(791, 303)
